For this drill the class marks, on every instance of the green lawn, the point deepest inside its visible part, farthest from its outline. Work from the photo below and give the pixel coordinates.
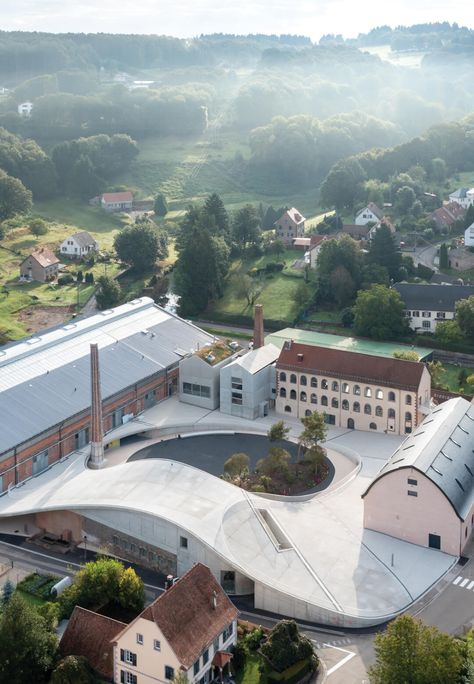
(450, 377)
(29, 598)
(250, 673)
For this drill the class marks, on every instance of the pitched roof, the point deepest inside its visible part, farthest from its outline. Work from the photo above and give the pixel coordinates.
(91, 635)
(443, 216)
(117, 197)
(44, 256)
(83, 239)
(253, 361)
(441, 449)
(355, 229)
(293, 214)
(455, 209)
(186, 616)
(432, 297)
(336, 363)
(373, 208)
(459, 193)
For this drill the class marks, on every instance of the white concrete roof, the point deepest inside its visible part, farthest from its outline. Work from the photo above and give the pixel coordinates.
(253, 361)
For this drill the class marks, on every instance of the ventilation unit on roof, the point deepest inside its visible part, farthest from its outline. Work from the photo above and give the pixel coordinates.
(210, 357)
(234, 344)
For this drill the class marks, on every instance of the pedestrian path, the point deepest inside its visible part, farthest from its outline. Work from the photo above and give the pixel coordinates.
(335, 642)
(464, 582)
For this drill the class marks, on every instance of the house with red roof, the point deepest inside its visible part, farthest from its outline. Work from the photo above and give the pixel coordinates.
(117, 201)
(446, 216)
(42, 265)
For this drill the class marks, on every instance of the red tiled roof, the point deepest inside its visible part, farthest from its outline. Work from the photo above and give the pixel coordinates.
(186, 615)
(90, 635)
(352, 366)
(45, 257)
(117, 197)
(221, 659)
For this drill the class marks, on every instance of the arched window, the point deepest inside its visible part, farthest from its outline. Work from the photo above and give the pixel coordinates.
(408, 399)
(314, 399)
(368, 409)
(283, 392)
(334, 403)
(379, 411)
(335, 386)
(287, 409)
(372, 426)
(391, 396)
(356, 389)
(324, 401)
(368, 392)
(345, 405)
(356, 407)
(293, 378)
(307, 412)
(314, 382)
(282, 377)
(378, 394)
(303, 380)
(391, 413)
(293, 394)
(324, 384)
(302, 396)
(408, 417)
(345, 388)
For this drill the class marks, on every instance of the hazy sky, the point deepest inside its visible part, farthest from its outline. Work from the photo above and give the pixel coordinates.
(191, 17)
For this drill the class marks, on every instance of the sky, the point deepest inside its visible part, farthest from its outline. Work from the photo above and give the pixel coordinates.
(188, 18)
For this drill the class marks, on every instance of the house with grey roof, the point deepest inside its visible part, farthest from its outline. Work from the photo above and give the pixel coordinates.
(426, 305)
(79, 245)
(424, 494)
(463, 196)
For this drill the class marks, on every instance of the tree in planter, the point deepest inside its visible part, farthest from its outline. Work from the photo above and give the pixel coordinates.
(277, 461)
(285, 646)
(278, 432)
(315, 430)
(108, 292)
(237, 465)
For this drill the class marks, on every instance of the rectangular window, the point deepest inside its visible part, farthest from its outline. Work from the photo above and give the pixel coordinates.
(426, 324)
(426, 314)
(128, 657)
(183, 542)
(205, 657)
(441, 314)
(196, 667)
(157, 644)
(197, 390)
(411, 481)
(412, 493)
(40, 462)
(127, 677)
(416, 314)
(140, 639)
(169, 672)
(236, 383)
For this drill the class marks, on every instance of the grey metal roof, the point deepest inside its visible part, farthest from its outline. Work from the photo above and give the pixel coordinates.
(45, 385)
(442, 448)
(83, 239)
(432, 297)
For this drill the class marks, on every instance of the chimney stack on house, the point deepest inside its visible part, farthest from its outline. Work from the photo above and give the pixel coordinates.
(97, 459)
(258, 335)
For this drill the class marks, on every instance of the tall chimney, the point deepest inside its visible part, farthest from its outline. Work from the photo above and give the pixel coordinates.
(97, 459)
(258, 336)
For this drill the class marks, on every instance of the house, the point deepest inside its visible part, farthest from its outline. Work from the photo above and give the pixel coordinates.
(446, 216)
(248, 384)
(426, 305)
(461, 259)
(357, 231)
(117, 201)
(79, 245)
(352, 390)
(369, 214)
(289, 226)
(469, 236)
(25, 108)
(424, 494)
(91, 635)
(312, 253)
(190, 628)
(41, 265)
(379, 224)
(463, 196)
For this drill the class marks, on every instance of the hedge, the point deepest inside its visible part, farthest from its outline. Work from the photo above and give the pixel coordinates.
(292, 674)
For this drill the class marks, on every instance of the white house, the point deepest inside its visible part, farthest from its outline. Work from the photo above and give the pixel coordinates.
(469, 236)
(426, 305)
(79, 245)
(248, 384)
(24, 109)
(463, 196)
(369, 214)
(117, 201)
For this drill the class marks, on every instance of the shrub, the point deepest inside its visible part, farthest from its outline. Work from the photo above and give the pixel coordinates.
(285, 646)
(238, 661)
(254, 638)
(66, 279)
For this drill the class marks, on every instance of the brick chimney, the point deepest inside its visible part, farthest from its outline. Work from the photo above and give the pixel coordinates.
(258, 335)
(97, 459)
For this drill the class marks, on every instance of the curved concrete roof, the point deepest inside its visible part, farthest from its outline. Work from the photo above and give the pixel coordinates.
(442, 448)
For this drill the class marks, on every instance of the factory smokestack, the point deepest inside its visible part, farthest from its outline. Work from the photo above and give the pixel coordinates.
(97, 459)
(258, 336)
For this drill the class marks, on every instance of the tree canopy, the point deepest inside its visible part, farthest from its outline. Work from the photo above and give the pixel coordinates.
(378, 313)
(141, 245)
(108, 292)
(465, 316)
(14, 197)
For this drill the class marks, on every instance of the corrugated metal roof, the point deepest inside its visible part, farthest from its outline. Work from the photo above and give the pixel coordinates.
(442, 448)
(44, 383)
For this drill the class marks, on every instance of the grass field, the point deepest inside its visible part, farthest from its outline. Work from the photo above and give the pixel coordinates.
(450, 377)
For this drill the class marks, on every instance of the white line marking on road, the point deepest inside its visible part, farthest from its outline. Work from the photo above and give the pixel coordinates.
(457, 580)
(464, 582)
(470, 585)
(342, 662)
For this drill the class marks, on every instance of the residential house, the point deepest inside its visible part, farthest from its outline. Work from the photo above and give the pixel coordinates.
(358, 231)
(79, 245)
(369, 214)
(289, 226)
(355, 391)
(25, 109)
(426, 305)
(248, 384)
(91, 635)
(312, 253)
(424, 494)
(41, 265)
(463, 197)
(189, 629)
(117, 201)
(446, 216)
(384, 222)
(469, 236)
(460, 259)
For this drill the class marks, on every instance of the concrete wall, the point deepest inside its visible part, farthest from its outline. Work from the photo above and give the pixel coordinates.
(388, 508)
(196, 371)
(256, 390)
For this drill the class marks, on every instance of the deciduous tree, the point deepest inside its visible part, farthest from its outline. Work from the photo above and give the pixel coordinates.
(378, 313)
(140, 246)
(278, 432)
(108, 292)
(237, 465)
(465, 316)
(14, 197)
